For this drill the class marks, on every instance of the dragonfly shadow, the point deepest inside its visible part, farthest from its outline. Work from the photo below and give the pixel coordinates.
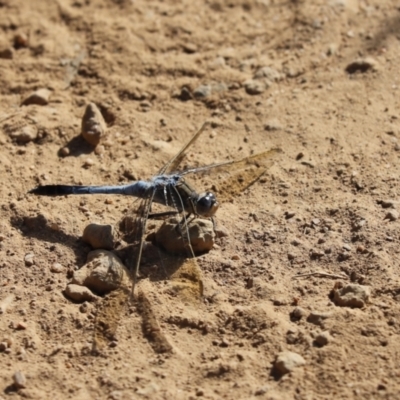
(38, 227)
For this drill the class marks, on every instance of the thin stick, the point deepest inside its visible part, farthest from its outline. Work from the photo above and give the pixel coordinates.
(320, 274)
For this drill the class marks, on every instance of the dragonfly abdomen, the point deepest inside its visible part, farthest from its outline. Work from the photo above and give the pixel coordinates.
(136, 189)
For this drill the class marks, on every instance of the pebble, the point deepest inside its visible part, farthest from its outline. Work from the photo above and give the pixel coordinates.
(352, 295)
(201, 233)
(56, 268)
(388, 203)
(273, 125)
(39, 97)
(189, 48)
(7, 53)
(287, 361)
(21, 326)
(202, 91)
(254, 87)
(322, 339)
(29, 259)
(332, 49)
(221, 231)
(65, 151)
(88, 163)
(19, 380)
(289, 214)
(362, 65)
(21, 40)
(93, 125)
(102, 273)
(269, 73)
(26, 134)
(392, 215)
(298, 313)
(79, 293)
(185, 94)
(217, 63)
(100, 236)
(318, 318)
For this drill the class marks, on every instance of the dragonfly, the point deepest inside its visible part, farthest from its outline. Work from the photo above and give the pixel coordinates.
(170, 188)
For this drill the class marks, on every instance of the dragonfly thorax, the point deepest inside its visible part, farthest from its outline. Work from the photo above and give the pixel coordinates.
(206, 204)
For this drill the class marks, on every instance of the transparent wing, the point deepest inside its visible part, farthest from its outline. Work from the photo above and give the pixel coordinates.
(230, 178)
(173, 164)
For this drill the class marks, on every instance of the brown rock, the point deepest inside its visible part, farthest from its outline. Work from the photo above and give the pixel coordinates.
(79, 293)
(40, 97)
(26, 134)
(351, 295)
(93, 125)
(287, 361)
(99, 236)
(102, 273)
(201, 234)
(7, 53)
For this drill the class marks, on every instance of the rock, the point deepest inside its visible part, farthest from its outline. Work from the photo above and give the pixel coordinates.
(21, 325)
(79, 293)
(93, 125)
(267, 72)
(218, 62)
(202, 91)
(40, 97)
(57, 268)
(332, 49)
(185, 94)
(254, 87)
(201, 234)
(392, 215)
(298, 313)
(318, 318)
(322, 339)
(102, 273)
(362, 65)
(6, 303)
(29, 259)
(287, 361)
(273, 125)
(21, 40)
(351, 295)
(19, 380)
(26, 134)
(99, 236)
(6, 53)
(388, 203)
(189, 48)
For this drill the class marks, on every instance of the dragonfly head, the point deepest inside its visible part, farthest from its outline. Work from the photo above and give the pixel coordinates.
(206, 204)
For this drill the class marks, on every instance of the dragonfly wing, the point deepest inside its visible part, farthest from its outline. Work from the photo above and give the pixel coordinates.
(174, 163)
(231, 178)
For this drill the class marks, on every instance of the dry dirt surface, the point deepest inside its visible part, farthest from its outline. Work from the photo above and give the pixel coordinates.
(301, 295)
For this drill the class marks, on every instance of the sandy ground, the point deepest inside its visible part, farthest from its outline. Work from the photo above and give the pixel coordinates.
(320, 80)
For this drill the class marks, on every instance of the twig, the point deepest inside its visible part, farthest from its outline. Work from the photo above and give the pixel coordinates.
(320, 274)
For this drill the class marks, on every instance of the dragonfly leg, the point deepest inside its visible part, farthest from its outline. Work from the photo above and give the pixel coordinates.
(163, 214)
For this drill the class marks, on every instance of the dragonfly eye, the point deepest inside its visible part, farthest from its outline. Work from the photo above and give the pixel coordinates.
(206, 204)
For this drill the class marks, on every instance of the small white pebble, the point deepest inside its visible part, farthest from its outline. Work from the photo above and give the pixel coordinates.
(29, 259)
(88, 163)
(19, 380)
